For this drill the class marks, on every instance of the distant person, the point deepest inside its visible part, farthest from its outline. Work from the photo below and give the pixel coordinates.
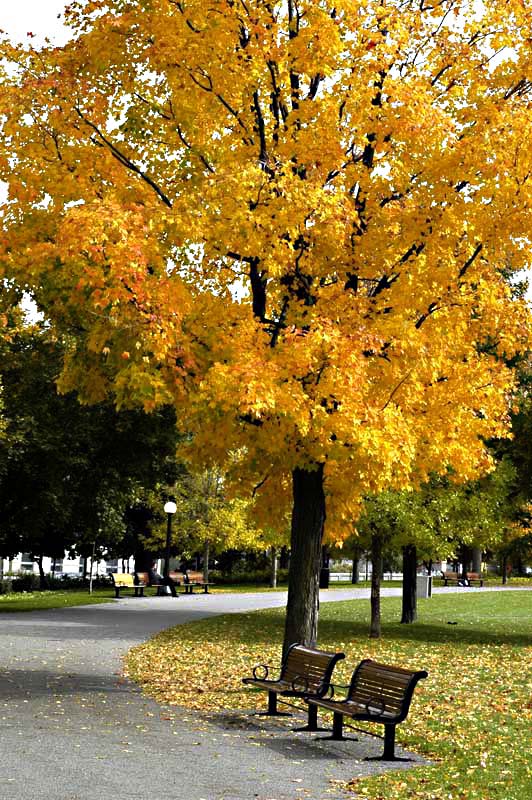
(153, 576)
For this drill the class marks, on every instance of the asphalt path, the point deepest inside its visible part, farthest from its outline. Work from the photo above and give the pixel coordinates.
(72, 728)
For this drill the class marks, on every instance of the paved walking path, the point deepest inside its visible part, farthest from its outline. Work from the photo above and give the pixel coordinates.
(71, 728)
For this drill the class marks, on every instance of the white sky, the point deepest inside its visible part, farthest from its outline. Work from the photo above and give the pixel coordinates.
(40, 17)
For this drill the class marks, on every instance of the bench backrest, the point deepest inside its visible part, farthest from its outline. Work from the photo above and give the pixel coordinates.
(384, 690)
(122, 579)
(309, 670)
(193, 577)
(474, 576)
(454, 576)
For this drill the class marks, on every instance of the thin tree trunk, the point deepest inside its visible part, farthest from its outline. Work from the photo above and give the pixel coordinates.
(504, 570)
(308, 518)
(43, 583)
(273, 567)
(206, 549)
(93, 555)
(284, 558)
(376, 577)
(477, 560)
(465, 564)
(354, 570)
(324, 570)
(409, 609)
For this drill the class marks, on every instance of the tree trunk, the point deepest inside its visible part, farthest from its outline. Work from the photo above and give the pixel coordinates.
(43, 583)
(284, 558)
(325, 572)
(206, 561)
(504, 570)
(354, 570)
(477, 560)
(308, 518)
(376, 577)
(273, 567)
(466, 558)
(409, 610)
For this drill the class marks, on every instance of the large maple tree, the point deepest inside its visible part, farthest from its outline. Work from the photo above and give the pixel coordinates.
(290, 220)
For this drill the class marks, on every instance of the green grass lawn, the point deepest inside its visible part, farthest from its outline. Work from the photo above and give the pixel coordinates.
(472, 717)
(37, 601)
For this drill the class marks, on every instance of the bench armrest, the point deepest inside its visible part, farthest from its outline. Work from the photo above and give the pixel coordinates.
(375, 706)
(300, 684)
(265, 667)
(334, 686)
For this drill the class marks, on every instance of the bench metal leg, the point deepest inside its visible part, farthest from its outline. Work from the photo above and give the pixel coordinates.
(312, 720)
(337, 734)
(389, 742)
(272, 707)
(117, 592)
(389, 747)
(338, 726)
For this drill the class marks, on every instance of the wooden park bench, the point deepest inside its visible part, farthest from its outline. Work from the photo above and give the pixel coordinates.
(144, 579)
(123, 580)
(377, 693)
(304, 673)
(475, 577)
(459, 580)
(452, 578)
(190, 580)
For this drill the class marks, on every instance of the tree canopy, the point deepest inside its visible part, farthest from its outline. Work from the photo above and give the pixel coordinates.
(291, 221)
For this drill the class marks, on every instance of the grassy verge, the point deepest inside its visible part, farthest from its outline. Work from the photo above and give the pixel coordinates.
(37, 601)
(472, 716)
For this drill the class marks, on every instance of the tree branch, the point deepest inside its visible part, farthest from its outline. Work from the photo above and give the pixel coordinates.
(124, 160)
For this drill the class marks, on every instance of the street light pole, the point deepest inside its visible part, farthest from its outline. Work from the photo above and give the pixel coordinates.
(169, 508)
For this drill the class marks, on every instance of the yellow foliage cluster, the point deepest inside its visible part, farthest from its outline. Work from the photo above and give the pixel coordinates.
(293, 221)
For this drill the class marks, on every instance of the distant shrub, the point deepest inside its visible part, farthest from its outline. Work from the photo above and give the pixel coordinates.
(253, 577)
(25, 582)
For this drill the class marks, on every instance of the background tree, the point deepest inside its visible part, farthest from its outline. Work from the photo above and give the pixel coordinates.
(67, 472)
(441, 520)
(290, 221)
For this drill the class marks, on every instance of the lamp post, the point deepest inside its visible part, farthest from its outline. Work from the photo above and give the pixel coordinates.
(169, 509)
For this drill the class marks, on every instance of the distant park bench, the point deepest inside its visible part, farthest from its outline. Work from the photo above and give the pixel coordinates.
(304, 673)
(475, 577)
(458, 579)
(144, 580)
(123, 581)
(189, 581)
(377, 693)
